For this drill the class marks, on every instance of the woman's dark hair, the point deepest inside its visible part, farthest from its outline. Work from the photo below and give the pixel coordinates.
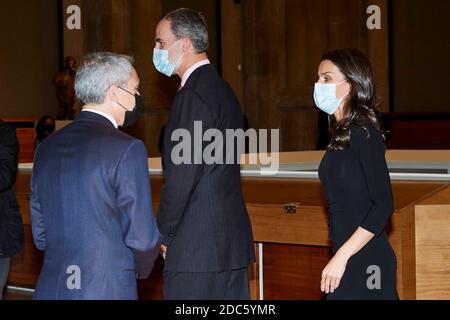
(362, 106)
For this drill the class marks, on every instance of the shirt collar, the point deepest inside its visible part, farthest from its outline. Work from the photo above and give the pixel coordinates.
(107, 116)
(189, 71)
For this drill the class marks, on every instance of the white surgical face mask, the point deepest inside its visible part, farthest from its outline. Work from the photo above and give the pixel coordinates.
(325, 97)
(162, 62)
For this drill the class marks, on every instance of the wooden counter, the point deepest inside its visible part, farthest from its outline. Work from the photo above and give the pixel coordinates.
(293, 248)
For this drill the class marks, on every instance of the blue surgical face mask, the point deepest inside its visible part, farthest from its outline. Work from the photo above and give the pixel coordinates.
(162, 62)
(325, 97)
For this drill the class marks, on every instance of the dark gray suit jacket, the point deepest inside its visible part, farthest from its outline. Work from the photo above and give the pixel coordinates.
(202, 214)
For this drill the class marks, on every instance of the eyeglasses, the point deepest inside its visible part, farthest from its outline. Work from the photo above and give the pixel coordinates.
(133, 94)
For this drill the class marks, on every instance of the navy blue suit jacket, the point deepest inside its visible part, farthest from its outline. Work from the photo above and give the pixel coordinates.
(202, 214)
(91, 211)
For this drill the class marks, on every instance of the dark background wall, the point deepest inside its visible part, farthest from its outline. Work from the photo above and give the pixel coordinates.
(421, 55)
(267, 50)
(28, 57)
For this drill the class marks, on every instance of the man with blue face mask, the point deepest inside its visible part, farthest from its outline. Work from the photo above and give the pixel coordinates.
(162, 62)
(207, 236)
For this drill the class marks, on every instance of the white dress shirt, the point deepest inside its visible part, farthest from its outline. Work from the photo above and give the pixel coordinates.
(189, 71)
(107, 116)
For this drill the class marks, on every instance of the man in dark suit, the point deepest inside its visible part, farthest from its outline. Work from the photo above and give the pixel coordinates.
(11, 229)
(207, 236)
(91, 205)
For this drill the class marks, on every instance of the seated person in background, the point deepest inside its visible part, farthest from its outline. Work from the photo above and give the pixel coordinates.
(44, 128)
(91, 205)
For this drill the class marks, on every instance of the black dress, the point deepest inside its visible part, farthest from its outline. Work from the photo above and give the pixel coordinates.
(358, 190)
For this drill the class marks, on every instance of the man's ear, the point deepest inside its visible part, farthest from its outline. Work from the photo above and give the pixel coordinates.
(187, 44)
(111, 94)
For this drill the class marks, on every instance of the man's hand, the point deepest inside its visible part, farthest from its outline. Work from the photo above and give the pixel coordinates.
(163, 251)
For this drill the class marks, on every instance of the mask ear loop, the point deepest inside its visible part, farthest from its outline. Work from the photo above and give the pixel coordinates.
(181, 55)
(122, 106)
(174, 44)
(119, 102)
(345, 95)
(338, 84)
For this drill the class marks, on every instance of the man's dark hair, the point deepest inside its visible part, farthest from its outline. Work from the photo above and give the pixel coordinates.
(190, 24)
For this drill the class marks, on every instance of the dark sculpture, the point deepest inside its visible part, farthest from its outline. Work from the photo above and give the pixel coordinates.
(64, 81)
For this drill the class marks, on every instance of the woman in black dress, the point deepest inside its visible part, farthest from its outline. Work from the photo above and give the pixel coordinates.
(356, 181)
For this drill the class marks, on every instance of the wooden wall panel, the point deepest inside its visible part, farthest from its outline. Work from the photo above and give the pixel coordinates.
(296, 247)
(420, 50)
(232, 46)
(97, 24)
(270, 54)
(433, 247)
(347, 24)
(401, 235)
(73, 44)
(271, 224)
(306, 41)
(284, 41)
(294, 272)
(27, 138)
(157, 90)
(299, 129)
(121, 26)
(264, 46)
(29, 58)
(378, 51)
(128, 27)
(433, 252)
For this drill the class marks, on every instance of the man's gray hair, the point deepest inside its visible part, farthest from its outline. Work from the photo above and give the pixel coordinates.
(190, 24)
(98, 72)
